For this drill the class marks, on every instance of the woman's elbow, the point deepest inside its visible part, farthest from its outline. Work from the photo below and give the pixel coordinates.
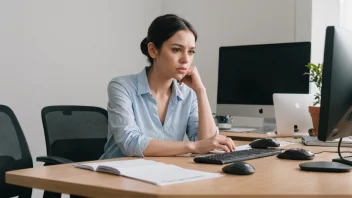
(130, 148)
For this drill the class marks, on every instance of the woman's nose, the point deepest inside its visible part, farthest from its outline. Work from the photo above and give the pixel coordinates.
(185, 58)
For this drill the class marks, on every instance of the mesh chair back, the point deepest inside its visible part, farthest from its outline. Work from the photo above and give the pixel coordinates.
(77, 133)
(14, 152)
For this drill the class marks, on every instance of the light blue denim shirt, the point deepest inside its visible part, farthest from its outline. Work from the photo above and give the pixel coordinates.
(134, 120)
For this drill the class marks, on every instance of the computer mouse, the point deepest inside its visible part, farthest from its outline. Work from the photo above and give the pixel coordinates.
(239, 168)
(296, 154)
(264, 143)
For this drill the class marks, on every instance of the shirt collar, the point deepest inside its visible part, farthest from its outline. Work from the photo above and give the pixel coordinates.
(142, 82)
(143, 86)
(176, 91)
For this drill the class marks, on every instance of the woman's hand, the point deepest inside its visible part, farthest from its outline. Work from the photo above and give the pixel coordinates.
(215, 142)
(192, 79)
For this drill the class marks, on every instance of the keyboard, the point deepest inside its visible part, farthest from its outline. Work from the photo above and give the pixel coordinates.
(225, 158)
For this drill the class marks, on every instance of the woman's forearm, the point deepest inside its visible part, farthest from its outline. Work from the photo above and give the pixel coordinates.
(162, 148)
(206, 125)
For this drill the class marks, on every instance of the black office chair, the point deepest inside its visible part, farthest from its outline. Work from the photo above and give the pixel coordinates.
(73, 134)
(14, 153)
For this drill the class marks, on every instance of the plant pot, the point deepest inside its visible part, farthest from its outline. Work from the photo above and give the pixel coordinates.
(315, 114)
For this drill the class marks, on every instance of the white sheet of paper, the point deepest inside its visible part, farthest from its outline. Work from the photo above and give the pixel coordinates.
(167, 174)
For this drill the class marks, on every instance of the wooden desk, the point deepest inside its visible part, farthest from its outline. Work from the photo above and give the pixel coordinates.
(273, 178)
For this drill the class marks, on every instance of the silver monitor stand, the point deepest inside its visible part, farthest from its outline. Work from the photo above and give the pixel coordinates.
(265, 112)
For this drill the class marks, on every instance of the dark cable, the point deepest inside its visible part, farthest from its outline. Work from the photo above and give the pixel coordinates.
(338, 149)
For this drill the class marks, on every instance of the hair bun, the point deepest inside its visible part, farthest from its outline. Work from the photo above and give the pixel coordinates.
(144, 47)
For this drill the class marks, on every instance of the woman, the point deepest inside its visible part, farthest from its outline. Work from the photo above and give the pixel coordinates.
(150, 112)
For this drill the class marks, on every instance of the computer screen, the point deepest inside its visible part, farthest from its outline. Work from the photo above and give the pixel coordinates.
(336, 92)
(249, 76)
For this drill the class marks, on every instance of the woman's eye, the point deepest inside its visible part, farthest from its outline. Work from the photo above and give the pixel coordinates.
(192, 52)
(176, 49)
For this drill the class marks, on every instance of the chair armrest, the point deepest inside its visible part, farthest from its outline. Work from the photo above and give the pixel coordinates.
(53, 160)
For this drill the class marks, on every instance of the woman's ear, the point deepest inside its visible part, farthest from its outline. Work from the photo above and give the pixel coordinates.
(153, 52)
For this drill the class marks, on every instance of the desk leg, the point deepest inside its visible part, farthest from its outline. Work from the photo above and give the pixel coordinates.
(48, 194)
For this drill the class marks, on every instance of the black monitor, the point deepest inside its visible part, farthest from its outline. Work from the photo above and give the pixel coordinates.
(336, 92)
(336, 98)
(250, 74)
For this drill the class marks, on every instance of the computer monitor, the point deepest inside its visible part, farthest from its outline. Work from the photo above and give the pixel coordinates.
(336, 92)
(249, 75)
(336, 97)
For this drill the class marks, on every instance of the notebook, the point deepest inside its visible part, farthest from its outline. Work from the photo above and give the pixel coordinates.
(313, 141)
(149, 171)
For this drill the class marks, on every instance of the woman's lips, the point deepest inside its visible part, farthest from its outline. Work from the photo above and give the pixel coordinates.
(182, 70)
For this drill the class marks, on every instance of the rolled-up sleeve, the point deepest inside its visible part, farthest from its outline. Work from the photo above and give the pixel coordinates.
(122, 124)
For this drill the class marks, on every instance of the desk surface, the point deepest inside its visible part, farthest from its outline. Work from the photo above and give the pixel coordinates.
(273, 178)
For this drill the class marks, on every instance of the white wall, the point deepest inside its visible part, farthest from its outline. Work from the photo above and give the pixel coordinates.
(346, 14)
(324, 13)
(65, 52)
(303, 20)
(239, 22)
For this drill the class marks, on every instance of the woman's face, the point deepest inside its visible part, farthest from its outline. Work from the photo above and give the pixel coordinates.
(176, 55)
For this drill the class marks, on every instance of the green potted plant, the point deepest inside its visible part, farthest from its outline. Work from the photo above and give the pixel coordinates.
(315, 72)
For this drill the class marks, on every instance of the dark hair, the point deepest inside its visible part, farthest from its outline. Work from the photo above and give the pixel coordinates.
(161, 29)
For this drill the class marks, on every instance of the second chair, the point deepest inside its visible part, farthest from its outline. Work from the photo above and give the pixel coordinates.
(73, 134)
(76, 133)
